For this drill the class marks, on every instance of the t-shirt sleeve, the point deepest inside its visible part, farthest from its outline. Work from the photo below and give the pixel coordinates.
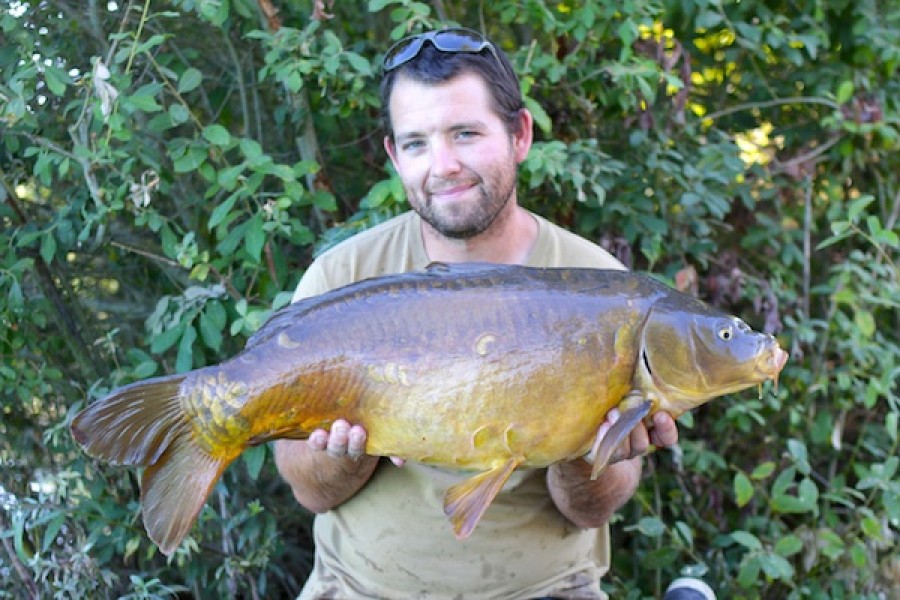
(313, 282)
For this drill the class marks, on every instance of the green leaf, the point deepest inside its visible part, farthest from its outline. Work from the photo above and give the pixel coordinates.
(216, 134)
(166, 339)
(252, 151)
(191, 161)
(190, 80)
(228, 178)
(143, 102)
(890, 424)
(57, 80)
(145, 369)
(872, 528)
(859, 556)
(256, 237)
(48, 247)
(865, 322)
(857, 206)
(52, 530)
(743, 489)
(831, 544)
(797, 450)
(651, 526)
(789, 545)
(763, 470)
(541, 118)
(746, 539)
(185, 357)
(210, 332)
(708, 19)
(844, 91)
(749, 572)
(179, 114)
(360, 64)
(776, 567)
(254, 458)
(685, 532)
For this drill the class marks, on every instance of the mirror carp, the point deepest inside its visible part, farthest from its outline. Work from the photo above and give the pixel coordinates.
(478, 367)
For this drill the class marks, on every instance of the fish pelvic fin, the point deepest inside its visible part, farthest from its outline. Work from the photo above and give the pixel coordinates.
(465, 502)
(632, 414)
(174, 489)
(134, 424)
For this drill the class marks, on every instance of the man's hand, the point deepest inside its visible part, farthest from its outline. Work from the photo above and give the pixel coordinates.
(592, 502)
(343, 440)
(663, 433)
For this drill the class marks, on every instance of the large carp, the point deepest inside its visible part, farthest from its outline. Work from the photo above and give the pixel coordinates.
(477, 367)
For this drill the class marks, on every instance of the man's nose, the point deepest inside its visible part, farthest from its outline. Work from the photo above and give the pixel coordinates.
(444, 159)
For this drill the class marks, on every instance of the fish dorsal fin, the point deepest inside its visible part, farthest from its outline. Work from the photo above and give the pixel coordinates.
(465, 502)
(621, 429)
(466, 268)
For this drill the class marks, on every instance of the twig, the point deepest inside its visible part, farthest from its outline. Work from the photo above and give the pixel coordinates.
(771, 103)
(807, 246)
(137, 36)
(156, 257)
(787, 165)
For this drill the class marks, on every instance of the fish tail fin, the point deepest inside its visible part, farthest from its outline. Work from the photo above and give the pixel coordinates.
(174, 489)
(465, 502)
(621, 429)
(134, 424)
(144, 424)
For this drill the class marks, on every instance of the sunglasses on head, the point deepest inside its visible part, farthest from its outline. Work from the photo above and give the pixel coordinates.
(456, 40)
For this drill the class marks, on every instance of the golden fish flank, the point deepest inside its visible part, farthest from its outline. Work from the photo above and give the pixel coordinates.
(455, 366)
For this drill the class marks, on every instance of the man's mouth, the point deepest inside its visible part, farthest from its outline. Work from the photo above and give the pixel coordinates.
(450, 191)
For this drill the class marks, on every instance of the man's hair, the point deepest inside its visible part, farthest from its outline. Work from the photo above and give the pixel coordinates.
(431, 66)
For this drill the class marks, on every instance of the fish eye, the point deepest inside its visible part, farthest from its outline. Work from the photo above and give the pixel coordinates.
(725, 333)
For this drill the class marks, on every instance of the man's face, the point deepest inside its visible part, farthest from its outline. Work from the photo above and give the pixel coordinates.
(454, 155)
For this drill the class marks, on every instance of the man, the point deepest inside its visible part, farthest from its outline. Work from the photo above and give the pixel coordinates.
(456, 133)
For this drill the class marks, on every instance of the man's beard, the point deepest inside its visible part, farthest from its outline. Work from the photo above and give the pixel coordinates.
(466, 220)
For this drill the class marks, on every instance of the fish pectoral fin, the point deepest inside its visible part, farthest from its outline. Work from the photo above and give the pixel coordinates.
(465, 502)
(621, 429)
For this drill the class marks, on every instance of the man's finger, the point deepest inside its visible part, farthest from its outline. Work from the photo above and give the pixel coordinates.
(356, 442)
(664, 432)
(338, 438)
(318, 440)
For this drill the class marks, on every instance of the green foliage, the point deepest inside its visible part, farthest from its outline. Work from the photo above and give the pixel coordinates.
(168, 169)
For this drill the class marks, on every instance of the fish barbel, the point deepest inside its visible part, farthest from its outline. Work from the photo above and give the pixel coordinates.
(485, 368)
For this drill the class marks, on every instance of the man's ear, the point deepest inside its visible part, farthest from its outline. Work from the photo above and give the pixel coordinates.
(390, 149)
(523, 138)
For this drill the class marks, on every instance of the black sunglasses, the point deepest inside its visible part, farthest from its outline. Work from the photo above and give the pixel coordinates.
(446, 40)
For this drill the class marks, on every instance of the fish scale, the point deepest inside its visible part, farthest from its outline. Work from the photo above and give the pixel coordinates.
(486, 368)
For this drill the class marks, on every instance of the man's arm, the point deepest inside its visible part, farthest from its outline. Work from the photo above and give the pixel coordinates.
(590, 503)
(322, 480)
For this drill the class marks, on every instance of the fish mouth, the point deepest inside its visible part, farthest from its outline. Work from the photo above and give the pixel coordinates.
(772, 362)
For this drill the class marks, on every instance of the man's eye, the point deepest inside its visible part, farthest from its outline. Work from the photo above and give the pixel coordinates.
(413, 145)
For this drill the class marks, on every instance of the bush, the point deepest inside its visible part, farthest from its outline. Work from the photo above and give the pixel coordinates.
(168, 171)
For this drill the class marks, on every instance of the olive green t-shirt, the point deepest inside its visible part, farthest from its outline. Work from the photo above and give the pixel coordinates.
(391, 540)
